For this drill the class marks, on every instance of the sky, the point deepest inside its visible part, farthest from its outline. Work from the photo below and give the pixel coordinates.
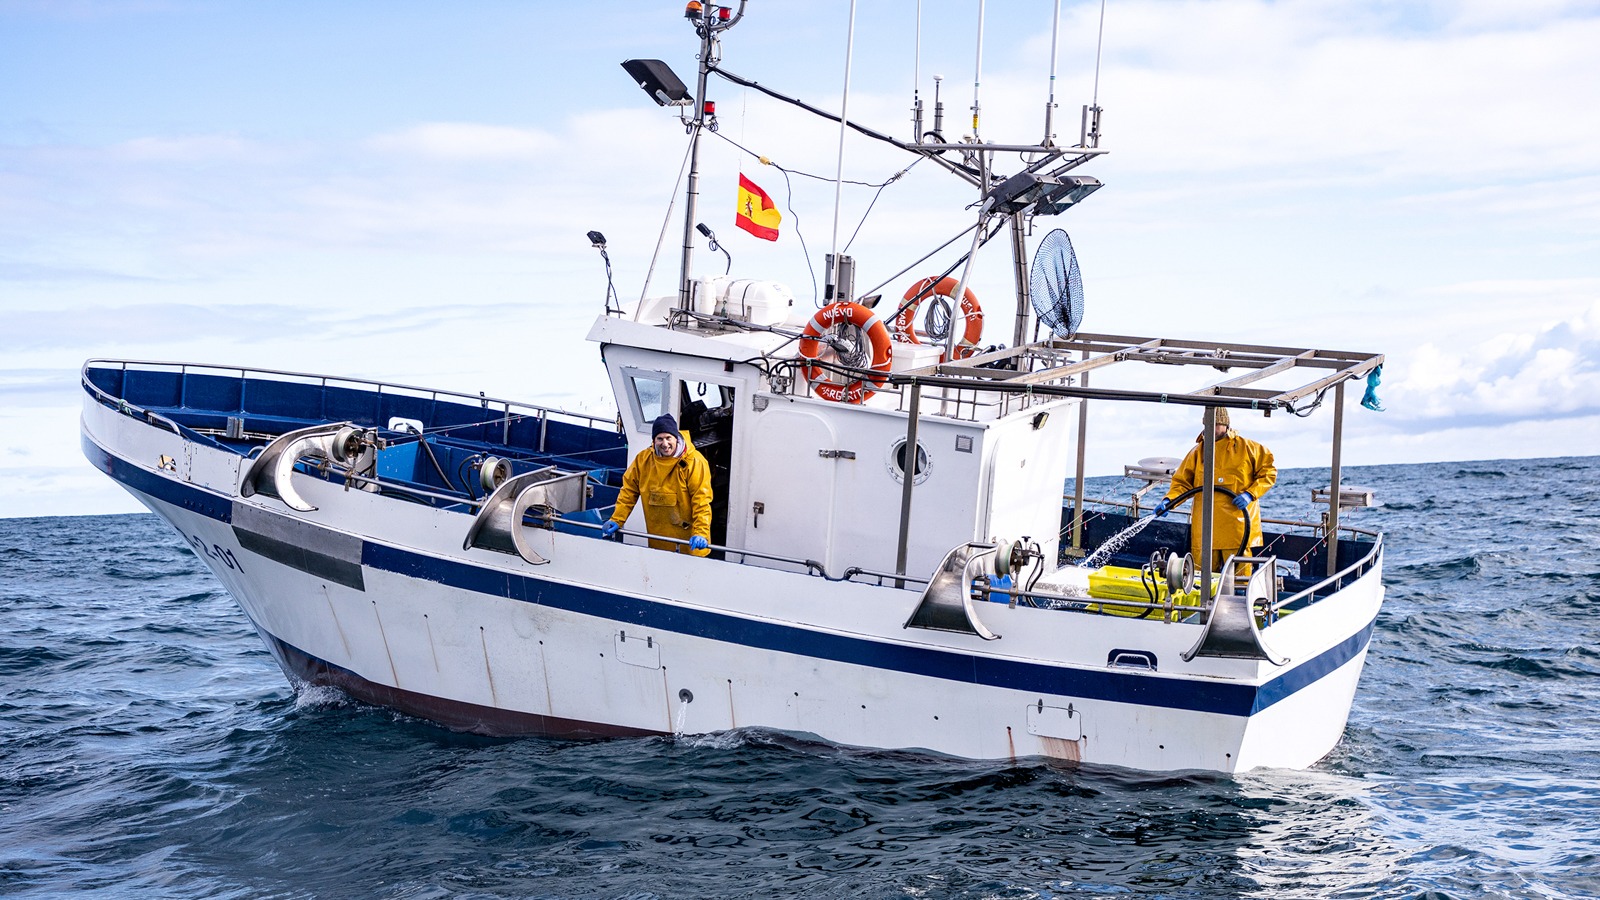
(400, 191)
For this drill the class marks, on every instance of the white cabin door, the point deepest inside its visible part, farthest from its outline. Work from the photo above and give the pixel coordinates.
(791, 486)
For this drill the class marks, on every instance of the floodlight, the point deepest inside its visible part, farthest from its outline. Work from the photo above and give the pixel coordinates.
(1042, 195)
(658, 80)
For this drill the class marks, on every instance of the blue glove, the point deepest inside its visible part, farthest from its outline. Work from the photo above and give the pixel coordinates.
(698, 543)
(1243, 499)
(1162, 508)
(609, 528)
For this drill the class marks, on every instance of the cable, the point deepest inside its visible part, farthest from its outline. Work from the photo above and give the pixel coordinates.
(823, 178)
(789, 202)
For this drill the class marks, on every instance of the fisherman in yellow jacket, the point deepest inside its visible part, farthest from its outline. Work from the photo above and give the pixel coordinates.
(1242, 466)
(674, 481)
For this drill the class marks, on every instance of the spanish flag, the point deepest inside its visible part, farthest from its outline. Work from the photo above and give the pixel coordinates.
(756, 214)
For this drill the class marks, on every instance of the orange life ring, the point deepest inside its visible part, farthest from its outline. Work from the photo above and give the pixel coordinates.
(904, 323)
(837, 313)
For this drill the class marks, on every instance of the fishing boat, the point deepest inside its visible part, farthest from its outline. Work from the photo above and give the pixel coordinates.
(895, 561)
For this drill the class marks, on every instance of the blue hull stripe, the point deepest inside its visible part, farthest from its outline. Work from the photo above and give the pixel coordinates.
(1230, 699)
(167, 490)
(1119, 687)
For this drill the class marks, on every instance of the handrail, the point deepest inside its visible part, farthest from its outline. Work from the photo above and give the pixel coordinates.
(1364, 562)
(811, 565)
(1292, 522)
(323, 380)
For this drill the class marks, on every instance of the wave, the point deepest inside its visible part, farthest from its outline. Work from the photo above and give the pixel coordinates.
(318, 696)
(21, 660)
(1470, 566)
(1529, 667)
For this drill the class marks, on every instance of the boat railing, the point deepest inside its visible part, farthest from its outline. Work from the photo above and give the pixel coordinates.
(379, 387)
(313, 466)
(1336, 581)
(811, 566)
(1316, 527)
(1173, 611)
(966, 402)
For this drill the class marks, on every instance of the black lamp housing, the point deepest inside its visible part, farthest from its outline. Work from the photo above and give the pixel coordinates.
(656, 78)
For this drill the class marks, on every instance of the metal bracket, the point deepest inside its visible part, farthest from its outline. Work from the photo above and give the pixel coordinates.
(1230, 631)
(946, 603)
(498, 524)
(269, 473)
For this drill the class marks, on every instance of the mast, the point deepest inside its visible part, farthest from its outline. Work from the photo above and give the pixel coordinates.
(709, 21)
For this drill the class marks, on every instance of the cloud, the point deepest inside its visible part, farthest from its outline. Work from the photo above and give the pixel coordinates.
(468, 142)
(70, 488)
(42, 329)
(192, 149)
(1379, 90)
(37, 388)
(1548, 373)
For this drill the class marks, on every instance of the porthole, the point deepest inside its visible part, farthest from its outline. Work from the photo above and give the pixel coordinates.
(896, 461)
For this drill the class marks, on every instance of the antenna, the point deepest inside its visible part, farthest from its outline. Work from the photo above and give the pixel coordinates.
(1089, 136)
(709, 21)
(1050, 101)
(916, 80)
(977, 75)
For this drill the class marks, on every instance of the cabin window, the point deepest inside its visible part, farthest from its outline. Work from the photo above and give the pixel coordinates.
(647, 393)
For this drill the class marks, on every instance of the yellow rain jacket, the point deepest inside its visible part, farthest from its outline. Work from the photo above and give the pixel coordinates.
(1241, 466)
(676, 494)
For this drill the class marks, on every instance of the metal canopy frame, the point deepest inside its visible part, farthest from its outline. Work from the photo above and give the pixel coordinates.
(1055, 367)
(1061, 367)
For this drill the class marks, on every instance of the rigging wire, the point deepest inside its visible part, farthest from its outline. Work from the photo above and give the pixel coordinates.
(665, 223)
(789, 200)
(823, 178)
(844, 129)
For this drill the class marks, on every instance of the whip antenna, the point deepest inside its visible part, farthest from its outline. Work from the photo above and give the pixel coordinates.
(916, 79)
(1050, 101)
(1090, 134)
(977, 77)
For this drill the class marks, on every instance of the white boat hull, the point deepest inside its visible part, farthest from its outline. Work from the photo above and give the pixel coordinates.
(376, 596)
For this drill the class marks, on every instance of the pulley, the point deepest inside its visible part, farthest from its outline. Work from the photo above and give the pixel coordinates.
(1010, 556)
(1179, 572)
(493, 472)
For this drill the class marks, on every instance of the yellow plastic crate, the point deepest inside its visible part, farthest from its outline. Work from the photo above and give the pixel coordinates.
(1120, 583)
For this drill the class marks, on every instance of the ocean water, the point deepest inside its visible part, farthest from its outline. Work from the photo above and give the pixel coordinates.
(149, 747)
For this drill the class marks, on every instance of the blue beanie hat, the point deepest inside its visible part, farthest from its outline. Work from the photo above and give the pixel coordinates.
(665, 425)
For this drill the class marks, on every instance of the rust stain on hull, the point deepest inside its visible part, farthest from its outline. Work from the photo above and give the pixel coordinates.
(1062, 749)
